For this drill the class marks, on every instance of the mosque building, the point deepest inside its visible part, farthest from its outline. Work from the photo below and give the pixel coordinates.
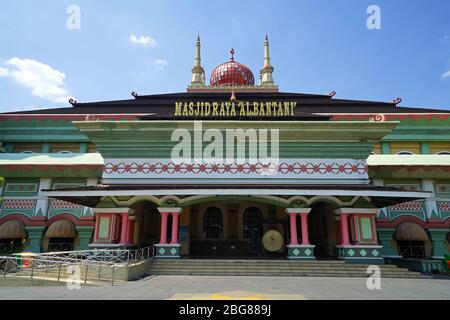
(360, 181)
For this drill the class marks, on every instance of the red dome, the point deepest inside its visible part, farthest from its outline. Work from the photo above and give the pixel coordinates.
(232, 73)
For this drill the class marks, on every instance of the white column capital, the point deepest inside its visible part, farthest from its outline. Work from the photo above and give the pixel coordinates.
(170, 210)
(428, 185)
(378, 182)
(42, 202)
(298, 210)
(356, 211)
(91, 181)
(430, 203)
(45, 183)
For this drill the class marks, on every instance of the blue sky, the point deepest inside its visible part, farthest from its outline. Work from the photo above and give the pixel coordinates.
(317, 46)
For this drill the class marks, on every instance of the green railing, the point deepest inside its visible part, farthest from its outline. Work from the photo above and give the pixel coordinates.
(418, 265)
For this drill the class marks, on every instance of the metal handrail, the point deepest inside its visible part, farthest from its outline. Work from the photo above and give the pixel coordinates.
(111, 256)
(103, 259)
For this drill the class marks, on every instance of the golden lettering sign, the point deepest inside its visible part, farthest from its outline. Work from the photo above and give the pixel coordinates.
(233, 109)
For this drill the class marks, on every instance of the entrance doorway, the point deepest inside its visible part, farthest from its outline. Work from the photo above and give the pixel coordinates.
(234, 230)
(147, 224)
(322, 230)
(253, 228)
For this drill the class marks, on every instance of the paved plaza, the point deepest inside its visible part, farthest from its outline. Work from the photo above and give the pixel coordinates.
(248, 288)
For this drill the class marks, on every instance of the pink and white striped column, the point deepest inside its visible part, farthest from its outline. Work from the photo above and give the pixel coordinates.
(125, 229)
(163, 232)
(305, 250)
(166, 250)
(304, 222)
(175, 216)
(293, 225)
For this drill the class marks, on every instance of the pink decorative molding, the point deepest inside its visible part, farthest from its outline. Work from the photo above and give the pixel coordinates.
(18, 204)
(408, 206)
(59, 204)
(443, 205)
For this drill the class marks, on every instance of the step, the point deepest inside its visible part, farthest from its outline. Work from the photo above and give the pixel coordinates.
(304, 274)
(271, 267)
(269, 270)
(275, 268)
(156, 270)
(187, 261)
(217, 267)
(350, 269)
(291, 264)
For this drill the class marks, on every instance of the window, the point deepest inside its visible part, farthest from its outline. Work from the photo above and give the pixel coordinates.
(213, 223)
(411, 147)
(411, 249)
(9, 246)
(59, 147)
(60, 244)
(252, 223)
(27, 147)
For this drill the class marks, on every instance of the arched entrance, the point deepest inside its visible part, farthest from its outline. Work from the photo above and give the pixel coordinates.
(213, 224)
(253, 228)
(322, 230)
(412, 240)
(12, 236)
(232, 229)
(60, 236)
(147, 224)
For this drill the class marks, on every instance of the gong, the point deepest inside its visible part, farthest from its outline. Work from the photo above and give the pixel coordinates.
(272, 241)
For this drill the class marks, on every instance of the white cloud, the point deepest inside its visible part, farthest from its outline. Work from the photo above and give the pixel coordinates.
(43, 81)
(144, 41)
(4, 72)
(159, 64)
(446, 75)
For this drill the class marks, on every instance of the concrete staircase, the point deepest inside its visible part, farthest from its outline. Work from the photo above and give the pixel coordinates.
(278, 268)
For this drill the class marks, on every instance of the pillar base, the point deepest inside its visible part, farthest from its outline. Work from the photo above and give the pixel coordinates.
(386, 237)
(85, 236)
(438, 236)
(360, 254)
(167, 251)
(300, 252)
(35, 235)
